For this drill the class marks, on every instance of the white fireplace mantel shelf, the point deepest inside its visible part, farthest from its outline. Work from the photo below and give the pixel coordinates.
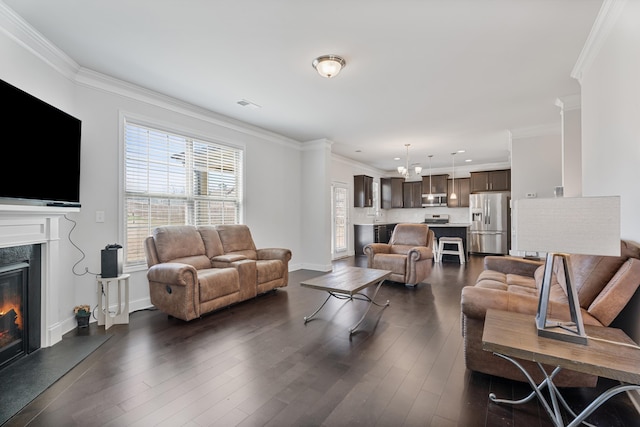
(30, 225)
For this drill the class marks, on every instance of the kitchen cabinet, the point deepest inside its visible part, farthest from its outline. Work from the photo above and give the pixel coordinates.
(497, 180)
(363, 191)
(462, 190)
(370, 233)
(391, 193)
(438, 184)
(412, 194)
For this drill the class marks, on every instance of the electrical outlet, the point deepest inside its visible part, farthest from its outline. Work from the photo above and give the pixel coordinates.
(99, 216)
(531, 195)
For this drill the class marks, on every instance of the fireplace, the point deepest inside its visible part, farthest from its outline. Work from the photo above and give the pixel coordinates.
(19, 302)
(36, 230)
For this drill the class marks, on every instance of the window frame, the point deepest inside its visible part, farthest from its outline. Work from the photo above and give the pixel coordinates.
(172, 129)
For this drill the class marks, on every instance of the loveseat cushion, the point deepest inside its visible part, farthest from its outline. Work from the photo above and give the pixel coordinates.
(181, 244)
(237, 239)
(269, 270)
(615, 296)
(211, 239)
(217, 282)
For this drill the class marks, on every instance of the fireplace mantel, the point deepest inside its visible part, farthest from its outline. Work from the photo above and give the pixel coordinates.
(29, 225)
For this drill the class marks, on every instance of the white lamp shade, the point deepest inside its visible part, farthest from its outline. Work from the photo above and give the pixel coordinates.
(572, 225)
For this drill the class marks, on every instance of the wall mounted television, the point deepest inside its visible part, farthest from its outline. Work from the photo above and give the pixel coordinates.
(40, 151)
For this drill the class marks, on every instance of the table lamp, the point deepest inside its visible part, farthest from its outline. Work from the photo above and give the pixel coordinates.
(559, 227)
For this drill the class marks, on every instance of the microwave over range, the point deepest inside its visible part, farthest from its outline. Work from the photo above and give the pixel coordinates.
(439, 199)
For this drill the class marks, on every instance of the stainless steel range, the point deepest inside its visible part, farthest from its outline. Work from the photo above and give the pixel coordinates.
(436, 219)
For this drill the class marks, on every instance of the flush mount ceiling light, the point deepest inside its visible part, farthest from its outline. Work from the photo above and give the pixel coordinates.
(328, 65)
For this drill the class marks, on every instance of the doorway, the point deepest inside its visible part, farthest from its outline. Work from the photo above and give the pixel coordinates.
(339, 220)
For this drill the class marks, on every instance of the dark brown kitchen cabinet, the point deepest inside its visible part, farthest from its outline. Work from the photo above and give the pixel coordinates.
(363, 191)
(438, 184)
(391, 193)
(462, 188)
(412, 194)
(370, 233)
(498, 180)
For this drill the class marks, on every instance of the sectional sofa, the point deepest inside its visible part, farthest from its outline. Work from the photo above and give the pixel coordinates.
(605, 284)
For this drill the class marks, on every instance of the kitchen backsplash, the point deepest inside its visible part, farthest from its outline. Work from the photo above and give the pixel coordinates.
(368, 215)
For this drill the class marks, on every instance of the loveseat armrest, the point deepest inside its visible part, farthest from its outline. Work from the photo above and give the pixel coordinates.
(512, 265)
(282, 254)
(173, 273)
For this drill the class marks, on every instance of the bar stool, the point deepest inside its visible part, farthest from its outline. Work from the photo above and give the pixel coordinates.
(434, 249)
(451, 241)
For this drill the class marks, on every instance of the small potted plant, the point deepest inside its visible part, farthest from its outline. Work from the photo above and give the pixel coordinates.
(83, 313)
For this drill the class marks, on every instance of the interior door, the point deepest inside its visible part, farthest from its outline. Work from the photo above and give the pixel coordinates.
(340, 219)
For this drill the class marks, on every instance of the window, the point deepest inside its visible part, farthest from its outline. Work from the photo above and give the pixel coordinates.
(172, 179)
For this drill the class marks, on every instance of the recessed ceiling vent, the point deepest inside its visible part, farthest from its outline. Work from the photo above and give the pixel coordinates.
(245, 103)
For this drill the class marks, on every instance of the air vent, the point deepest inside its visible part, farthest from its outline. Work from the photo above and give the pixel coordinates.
(245, 103)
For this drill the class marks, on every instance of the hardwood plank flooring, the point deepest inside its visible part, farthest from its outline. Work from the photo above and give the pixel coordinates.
(258, 364)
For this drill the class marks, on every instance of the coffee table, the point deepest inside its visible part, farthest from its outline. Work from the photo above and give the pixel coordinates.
(347, 283)
(609, 353)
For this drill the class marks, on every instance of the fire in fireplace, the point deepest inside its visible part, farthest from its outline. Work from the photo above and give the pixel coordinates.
(19, 302)
(13, 286)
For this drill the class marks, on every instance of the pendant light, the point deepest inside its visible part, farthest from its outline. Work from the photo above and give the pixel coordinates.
(430, 196)
(453, 195)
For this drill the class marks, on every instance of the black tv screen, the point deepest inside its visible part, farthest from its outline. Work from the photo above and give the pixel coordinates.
(41, 150)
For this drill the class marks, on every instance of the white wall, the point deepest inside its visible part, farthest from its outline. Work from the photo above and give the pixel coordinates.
(536, 165)
(273, 182)
(609, 72)
(611, 119)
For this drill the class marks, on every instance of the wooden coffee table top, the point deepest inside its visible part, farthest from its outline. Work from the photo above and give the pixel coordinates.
(348, 280)
(609, 352)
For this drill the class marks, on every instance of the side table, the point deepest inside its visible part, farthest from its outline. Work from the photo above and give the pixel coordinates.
(609, 353)
(121, 314)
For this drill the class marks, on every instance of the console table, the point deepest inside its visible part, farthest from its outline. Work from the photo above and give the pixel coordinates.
(609, 353)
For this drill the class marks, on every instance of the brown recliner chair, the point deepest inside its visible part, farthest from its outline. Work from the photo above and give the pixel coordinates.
(408, 255)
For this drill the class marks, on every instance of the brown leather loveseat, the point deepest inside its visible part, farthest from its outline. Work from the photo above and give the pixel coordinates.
(195, 270)
(604, 284)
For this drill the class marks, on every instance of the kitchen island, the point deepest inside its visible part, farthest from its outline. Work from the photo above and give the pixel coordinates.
(381, 233)
(452, 230)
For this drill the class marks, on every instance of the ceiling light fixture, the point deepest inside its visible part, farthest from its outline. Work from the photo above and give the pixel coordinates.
(328, 65)
(453, 195)
(404, 170)
(430, 196)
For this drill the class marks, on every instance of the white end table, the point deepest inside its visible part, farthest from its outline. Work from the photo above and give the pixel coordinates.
(121, 314)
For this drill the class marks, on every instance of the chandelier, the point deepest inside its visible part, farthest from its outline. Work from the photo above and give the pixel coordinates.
(404, 170)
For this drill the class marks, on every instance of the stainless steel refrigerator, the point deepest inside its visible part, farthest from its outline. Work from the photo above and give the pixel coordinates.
(490, 221)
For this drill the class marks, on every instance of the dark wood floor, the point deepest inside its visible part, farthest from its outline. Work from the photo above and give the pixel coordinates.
(258, 364)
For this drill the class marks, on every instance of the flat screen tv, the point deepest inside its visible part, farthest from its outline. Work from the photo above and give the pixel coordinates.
(40, 151)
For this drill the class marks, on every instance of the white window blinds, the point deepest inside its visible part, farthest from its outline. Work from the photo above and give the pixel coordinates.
(172, 179)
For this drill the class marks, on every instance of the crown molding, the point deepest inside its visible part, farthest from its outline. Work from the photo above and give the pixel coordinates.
(16, 28)
(607, 17)
(569, 103)
(30, 39)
